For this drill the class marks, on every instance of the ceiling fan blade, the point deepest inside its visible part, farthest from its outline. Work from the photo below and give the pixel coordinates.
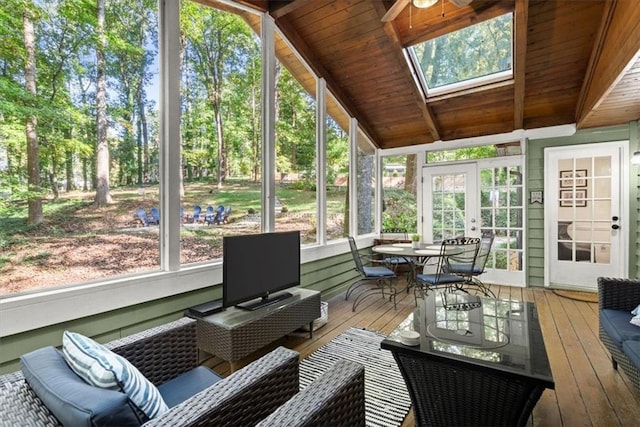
(461, 3)
(395, 10)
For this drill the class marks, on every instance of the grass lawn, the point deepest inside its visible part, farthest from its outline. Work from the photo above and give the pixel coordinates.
(79, 242)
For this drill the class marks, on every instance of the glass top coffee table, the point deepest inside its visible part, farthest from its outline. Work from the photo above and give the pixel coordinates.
(470, 360)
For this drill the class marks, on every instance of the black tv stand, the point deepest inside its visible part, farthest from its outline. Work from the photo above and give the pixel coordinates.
(265, 301)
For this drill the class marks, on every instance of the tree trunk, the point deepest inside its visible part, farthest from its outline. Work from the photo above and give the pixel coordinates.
(410, 174)
(365, 196)
(103, 196)
(33, 151)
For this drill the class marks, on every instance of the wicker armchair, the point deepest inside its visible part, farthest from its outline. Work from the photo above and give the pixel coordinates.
(164, 352)
(623, 295)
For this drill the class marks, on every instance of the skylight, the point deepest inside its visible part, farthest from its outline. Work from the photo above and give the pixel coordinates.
(469, 57)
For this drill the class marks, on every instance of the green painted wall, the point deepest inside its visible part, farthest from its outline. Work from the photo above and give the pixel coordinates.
(535, 181)
(329, 276)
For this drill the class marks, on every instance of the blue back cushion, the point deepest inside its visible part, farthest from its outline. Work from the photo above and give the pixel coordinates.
(616, 324)
(69, 398)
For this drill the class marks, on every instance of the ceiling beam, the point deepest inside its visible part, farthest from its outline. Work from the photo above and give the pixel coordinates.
(312, 60)
(615, 50)
(395, 10)
(519, 70)
(437, 25)
(421, 102)
(280, 9)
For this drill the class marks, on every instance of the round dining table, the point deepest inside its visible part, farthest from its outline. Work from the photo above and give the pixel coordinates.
(414, 256)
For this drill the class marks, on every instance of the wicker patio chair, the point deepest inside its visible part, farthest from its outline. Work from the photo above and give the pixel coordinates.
(162, 353)
(618, 294)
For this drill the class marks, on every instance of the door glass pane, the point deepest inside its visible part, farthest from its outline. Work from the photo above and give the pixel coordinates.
(448, 192)
(584, 210)
(502, 214)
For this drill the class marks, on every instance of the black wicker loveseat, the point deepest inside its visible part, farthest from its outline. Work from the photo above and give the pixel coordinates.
(266, 391)
(616, 299)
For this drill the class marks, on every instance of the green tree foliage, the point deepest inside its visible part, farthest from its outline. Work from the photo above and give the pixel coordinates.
(221, 98)
(479, 50)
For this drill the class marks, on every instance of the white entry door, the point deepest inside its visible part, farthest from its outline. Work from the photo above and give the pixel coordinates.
(585, 219)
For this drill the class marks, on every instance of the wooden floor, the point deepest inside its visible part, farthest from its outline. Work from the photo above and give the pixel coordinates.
(588, 391)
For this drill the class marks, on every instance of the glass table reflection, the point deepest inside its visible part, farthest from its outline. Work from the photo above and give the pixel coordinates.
(479, 361)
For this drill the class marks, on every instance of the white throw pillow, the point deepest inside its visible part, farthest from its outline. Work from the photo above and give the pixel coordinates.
(635, 320)
(101, 367)
(636, 311)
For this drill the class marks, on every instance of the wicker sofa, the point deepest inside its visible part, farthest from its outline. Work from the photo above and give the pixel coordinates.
(616, 299)
(267, 386)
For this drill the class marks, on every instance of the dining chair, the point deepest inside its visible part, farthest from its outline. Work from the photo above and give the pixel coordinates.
(393, 262)
(382, 278)
(452, 252)
(471, 270)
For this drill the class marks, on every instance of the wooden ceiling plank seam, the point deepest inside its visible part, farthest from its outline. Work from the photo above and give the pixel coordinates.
(305, 51)
(418, 96)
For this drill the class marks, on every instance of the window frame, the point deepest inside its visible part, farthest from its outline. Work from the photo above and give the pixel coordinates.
(498, 77)
(40, 308)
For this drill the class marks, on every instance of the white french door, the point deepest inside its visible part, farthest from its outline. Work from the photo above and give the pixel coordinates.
(450, 203)
(585, 219)
(470, 199)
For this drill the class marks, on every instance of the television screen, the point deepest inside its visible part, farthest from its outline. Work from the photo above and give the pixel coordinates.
(256, 265)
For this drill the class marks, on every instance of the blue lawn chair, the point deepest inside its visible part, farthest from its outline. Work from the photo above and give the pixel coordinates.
(209, 215)
(196, 213)
(155, 215)
(219, 215)
(142, 216)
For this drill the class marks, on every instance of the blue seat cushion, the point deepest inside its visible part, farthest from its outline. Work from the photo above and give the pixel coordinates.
(181, 388)
(464, 269)
(632, 350)
(443, 279)
(69, 398)
(378, 272)
(616, 324)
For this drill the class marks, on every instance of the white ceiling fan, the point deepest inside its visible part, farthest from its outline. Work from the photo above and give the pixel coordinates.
(399, 5)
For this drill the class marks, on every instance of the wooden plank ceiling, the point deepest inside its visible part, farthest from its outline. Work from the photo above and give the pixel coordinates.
(575, 61)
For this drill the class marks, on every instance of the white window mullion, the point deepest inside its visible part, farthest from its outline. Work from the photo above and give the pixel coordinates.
(170, 157)
(321, 160)
(353, 177)
(268, 123)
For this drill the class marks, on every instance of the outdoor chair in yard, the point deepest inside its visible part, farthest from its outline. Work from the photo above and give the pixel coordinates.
(459, 251)
(155, 216)
(197, 212)
(380, 278)
(141, 214)
(209, 215)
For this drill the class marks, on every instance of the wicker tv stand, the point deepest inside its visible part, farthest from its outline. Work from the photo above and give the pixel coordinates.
(235, 333)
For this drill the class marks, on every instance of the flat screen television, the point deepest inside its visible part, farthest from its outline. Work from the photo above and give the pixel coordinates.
(258, 265)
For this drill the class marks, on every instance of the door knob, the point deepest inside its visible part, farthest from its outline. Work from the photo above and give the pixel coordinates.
(615, 226)
(473, 228)
(614, 218)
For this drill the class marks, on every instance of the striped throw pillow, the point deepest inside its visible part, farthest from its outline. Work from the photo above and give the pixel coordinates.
(101, 367)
